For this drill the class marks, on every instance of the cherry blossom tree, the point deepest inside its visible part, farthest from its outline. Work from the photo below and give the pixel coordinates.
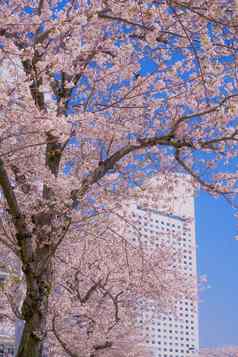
(221, 352)
(99, 279)
(95, 305)
(88, 89)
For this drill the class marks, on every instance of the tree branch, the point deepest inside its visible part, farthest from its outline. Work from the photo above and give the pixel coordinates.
(60, 340)
(106, 14)
(23, 234)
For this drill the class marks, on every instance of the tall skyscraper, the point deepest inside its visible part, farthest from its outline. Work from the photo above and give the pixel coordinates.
(164, 215)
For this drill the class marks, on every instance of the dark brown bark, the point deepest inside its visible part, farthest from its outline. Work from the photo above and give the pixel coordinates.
(36, 265)
(29, 345)
(35, 306)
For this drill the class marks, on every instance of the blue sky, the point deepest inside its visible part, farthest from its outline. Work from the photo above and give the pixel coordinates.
(217, 257)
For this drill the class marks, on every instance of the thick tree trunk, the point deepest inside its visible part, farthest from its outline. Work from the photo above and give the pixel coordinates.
(34, 331)
(30, 345)
(35, 308)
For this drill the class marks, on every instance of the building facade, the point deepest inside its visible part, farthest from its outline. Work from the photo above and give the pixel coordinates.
(7, 328)
(164, 215)
(7, 346)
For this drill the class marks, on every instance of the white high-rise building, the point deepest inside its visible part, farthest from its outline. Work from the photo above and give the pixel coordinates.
(165, 215)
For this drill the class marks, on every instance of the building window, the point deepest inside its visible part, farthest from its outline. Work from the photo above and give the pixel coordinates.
(7, 350)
